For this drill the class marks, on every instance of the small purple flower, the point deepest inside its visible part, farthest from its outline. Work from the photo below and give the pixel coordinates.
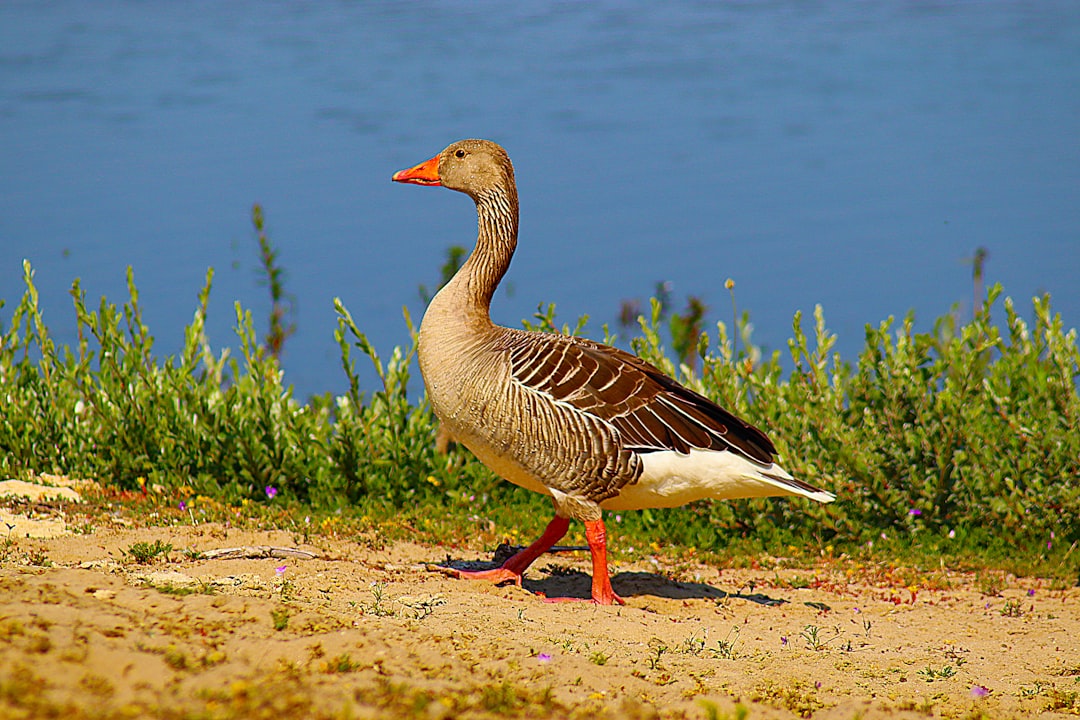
(544, 657)
(914, 512)
(280, 570)
(1031, 592)
(182, 506)
(817, 685)
(978, 691)
(783, 641)
(271, 491)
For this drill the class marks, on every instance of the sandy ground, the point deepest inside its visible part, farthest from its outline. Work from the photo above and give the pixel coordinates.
(366, 628)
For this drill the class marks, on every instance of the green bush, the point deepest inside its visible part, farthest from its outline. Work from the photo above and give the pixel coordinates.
(970, 427)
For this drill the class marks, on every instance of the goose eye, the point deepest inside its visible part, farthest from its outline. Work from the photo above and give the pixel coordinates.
(459, 153)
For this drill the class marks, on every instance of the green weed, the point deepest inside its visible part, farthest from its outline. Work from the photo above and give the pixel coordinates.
(930, 674)
(814, 638)
(280, 618)
(274, 278)
(657, 648)
(341, 664)
(990, 583)
(694, 645)
(39, 558)
(145, 552)
(1012, 608)
(713, 712)
(380, 604)
(176, 658)
(796, 696)
(725, 649)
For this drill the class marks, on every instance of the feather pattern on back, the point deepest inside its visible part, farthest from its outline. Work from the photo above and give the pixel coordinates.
(650, 411)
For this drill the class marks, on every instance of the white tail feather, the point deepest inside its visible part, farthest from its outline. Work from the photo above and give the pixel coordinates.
(670, 479)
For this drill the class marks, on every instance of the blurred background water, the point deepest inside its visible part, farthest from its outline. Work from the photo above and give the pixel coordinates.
(849, 154)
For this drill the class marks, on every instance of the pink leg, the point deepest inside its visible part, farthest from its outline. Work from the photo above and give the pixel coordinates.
(515, 566)
(602, 593)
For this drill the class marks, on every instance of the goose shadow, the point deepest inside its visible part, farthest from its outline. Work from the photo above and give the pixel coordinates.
(576, 584)
(561, 582)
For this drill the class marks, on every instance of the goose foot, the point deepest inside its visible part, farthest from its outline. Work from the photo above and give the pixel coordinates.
(497, 575)
(513, 568)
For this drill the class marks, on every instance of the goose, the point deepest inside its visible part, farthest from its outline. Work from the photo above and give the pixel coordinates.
(592, 426)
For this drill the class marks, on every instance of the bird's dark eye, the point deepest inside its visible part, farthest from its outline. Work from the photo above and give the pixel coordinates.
(459, 153)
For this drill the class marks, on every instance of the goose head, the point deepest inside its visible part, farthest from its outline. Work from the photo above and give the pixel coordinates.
(474, 167)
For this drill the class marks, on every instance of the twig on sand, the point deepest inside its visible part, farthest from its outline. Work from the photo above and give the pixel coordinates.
(258, 551)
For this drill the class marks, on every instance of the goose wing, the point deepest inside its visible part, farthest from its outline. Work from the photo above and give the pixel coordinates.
(650, 411)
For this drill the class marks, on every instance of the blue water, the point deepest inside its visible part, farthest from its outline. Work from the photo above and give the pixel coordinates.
(848, 154)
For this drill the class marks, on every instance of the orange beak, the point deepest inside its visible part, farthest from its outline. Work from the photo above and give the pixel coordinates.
(426, 173)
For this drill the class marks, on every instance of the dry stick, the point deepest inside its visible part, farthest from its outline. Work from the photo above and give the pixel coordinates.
(505, 551)
(258, 551)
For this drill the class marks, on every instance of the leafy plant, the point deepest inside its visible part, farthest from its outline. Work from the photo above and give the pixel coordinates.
(931, 674)
(685, 328)
(342, 664)
(282, 304)
(380, 604)
(725, 648)
(144, 552)
(713, 712)
(657, 648)
(814, 638)
(960, 439)
(1012, 608)
(280, 618)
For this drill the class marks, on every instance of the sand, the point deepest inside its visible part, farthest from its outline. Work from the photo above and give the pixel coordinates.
(361, 627)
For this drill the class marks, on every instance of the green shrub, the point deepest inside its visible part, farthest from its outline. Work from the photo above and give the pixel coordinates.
(959, 427)
(969, 428)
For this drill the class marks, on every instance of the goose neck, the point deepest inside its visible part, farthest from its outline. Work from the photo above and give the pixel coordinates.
(496, 240)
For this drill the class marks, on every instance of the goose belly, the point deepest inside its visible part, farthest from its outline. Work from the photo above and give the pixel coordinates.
(500, 463)
(670, 479)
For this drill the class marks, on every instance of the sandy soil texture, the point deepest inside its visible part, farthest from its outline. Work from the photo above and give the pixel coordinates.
(366, 628)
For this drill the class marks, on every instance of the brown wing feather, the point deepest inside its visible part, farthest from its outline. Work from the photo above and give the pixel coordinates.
(650, 410)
